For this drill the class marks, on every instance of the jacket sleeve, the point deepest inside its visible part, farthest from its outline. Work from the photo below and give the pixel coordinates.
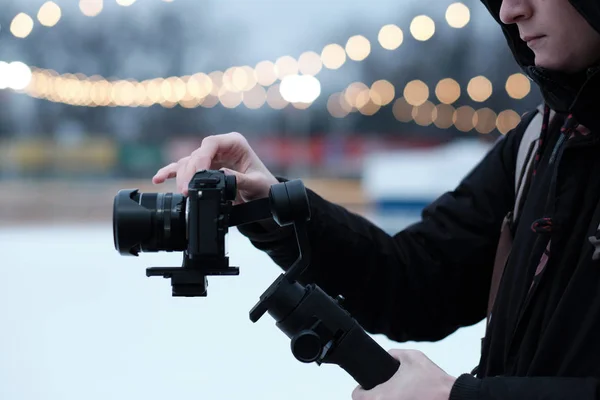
(422, 283)
(467, 387)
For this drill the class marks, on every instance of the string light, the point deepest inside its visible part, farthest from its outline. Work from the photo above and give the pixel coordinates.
(266, 73)
(518, 86)
(422, 27)
(479, 88)
(21, 25)
(91, 8)
(390, 37)
(358, 48)
(458, 15)
(49, 14)
(447, 91)
(416, 92)
(333, 56)
(247, 85)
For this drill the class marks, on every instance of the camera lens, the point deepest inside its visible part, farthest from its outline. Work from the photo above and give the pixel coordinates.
(148, 222)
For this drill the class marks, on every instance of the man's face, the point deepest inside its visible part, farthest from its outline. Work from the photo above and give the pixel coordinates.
(559, 36)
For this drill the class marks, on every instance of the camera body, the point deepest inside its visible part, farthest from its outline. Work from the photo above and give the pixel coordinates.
(197, 225)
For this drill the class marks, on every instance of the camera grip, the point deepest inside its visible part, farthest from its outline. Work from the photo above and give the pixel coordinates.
(363, 358)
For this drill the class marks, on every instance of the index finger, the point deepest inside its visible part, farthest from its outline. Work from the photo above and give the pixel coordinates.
(200, 159)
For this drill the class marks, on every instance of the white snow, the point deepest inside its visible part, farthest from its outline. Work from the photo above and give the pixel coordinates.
(79, 321)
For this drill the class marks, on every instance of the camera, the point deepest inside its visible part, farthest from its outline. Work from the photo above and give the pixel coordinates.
(196, 225)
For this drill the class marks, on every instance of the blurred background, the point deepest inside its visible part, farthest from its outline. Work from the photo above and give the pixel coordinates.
(380, 106)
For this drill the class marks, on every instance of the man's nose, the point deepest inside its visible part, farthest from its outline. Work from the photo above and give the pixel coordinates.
(513, 11)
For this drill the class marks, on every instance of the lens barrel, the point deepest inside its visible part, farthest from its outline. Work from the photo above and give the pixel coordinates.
(148, 222)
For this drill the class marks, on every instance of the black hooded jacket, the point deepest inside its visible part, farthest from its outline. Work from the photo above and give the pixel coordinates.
(432, 278)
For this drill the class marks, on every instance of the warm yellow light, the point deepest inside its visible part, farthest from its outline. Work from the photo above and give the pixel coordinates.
(416, 93)
(153, 90)
(402, 110)
(369, 108)
(217, 82)
(443, 116)
(382, 92)
(274, 98)
(358, 48)
(447, 91)
(424, 114)
(250, 77)
(334, 106)
(255, 98)
(265, 73)
(301, 105)
(210, 101)
(199, 85)
(49, 14)
(518, 86)
(333, 56)
(458, 15)
(422, 27)
(390, 37)
(309, 63)
(285, 66)
(21, 25)
(463, 118)
(484, 120)
(479, 88)
(230, 99)
(91, 8)
(507, 120)
(356, 94)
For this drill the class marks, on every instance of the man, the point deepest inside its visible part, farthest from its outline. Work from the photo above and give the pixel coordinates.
(425, 282)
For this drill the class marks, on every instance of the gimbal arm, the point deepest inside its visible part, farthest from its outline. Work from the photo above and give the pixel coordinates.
(320, 329)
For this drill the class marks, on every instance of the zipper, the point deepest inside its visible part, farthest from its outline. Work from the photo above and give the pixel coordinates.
(541, 241)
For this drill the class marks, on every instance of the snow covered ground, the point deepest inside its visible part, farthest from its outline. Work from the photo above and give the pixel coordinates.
(79, 321)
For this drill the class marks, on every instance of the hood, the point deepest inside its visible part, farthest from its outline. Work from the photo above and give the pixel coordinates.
(564, 93)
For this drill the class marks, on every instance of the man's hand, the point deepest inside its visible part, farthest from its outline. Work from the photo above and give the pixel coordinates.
(233, 155)
(418, 378)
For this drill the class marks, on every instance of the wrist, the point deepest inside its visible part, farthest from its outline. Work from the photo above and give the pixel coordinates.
(446, 387)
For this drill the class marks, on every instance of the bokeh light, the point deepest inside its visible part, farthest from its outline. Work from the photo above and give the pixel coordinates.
(309, 63)
(390, 37)
(333, 56)
(518, 86)
(507, 120)
(416, 92)
(447, 91)
(49, 14)
(402, 110)
(484, 120)
(358, 48)
(423, 114)
(382, 92)
(265, 73)
(91, 8)
(458, 15)
(21, 25)
(463, 118)
(422, 27)
(300, 88)
(479, 88)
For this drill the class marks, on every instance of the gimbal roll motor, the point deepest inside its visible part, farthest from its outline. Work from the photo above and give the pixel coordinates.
(320, 329)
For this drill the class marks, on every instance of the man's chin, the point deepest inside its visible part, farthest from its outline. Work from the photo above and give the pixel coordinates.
(554, 65)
